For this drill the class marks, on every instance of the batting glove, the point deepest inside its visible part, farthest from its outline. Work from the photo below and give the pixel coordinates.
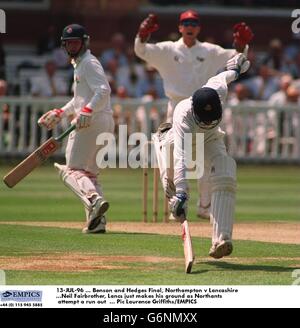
(51, 118)
(238, 63)
(148, 26)
(178, 205)
(84, 118)
(242, 35)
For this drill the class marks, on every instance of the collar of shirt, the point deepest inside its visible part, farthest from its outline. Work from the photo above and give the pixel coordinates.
(182, 44)
(76, 62)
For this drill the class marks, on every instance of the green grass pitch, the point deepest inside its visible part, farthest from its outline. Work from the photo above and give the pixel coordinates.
(265, 194)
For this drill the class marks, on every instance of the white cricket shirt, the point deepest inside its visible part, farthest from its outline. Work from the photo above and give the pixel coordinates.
(91, 87)
(183, 69)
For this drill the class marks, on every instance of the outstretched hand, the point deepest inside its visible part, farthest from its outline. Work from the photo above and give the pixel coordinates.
(148, 26)
(239, 63)
(242, 35)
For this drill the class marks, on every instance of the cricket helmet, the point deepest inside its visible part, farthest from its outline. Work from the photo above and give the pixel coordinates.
(206, 108)
(75, 32)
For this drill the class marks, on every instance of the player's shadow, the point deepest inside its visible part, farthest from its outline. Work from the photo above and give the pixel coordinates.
(249, 267)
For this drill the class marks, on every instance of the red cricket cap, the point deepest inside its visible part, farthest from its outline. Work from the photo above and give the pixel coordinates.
(189, 14)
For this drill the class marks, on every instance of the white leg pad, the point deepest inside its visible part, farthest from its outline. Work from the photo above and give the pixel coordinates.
(223, 184)
(97, 185)
(80, 183)
(164, 155)
(204, 188)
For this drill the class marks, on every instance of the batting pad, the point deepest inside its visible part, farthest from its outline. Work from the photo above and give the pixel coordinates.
(79, 183)
(223, 187)
(204, 189)
(164, 156)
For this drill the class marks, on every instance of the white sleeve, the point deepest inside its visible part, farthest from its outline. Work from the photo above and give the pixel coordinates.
(150, 52)
(180, 128)
(69, 108)
(220, 82)
(221, 55)
(97, 81)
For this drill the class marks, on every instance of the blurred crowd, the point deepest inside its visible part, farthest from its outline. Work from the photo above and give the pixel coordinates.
(272, 71)
(274, 76)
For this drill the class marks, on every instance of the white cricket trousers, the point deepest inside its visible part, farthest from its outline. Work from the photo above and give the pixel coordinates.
(81, 150)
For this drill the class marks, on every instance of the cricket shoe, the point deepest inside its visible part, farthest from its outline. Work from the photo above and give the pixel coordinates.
(99, 207)
(224, 248)
(98, 226)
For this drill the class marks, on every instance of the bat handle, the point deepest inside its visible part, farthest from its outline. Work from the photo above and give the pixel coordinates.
(65, 133)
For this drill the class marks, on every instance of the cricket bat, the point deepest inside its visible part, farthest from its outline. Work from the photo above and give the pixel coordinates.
(35, 159)
(187, 246)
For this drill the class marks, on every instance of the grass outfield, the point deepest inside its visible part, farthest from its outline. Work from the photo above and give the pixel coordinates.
(146, 259)
(44, 255)
(264, 194)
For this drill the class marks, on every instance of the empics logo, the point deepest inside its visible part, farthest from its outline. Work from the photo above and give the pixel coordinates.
(2, 21)
(21, 295)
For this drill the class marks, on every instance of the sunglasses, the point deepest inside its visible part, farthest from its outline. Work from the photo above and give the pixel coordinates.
(192, 23)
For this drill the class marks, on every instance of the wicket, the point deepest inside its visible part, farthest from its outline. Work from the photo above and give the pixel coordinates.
(154, 197)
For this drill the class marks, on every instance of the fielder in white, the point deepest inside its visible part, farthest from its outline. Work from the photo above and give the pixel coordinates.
(91, 111)
(186, 65)
(202, 113)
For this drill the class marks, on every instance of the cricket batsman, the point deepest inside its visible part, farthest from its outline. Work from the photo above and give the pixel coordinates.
(185, 66)
(202, 113)
(91, 111)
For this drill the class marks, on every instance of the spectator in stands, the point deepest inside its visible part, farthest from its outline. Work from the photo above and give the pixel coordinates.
(279, 97)
(116, 52)
(151, 84)
(239, 128)
(111, 74)
(295, 66)
(292, 95)
(49, 84)
(262, 87)
(49, 41)
(287, 94)
(274, 58)
(289, 123)
(293, 48)
(129, 76)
